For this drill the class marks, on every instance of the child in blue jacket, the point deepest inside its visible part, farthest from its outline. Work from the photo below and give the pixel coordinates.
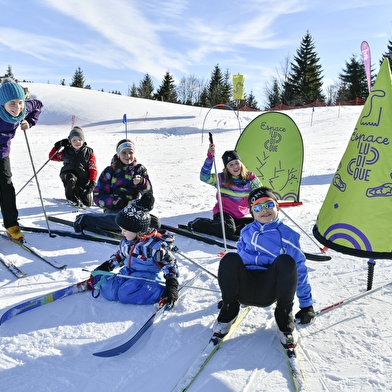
(144, 256)
(268, 267)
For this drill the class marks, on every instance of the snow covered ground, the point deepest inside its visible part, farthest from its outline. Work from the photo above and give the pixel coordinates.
(50, 348)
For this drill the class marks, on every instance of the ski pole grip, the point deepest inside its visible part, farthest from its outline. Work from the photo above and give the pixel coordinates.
(210, 137)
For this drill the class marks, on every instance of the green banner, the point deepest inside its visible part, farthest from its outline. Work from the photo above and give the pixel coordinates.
(355, 217)
(271, 147)
(238, 87)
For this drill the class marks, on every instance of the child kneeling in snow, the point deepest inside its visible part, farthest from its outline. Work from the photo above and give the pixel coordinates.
(144, 256)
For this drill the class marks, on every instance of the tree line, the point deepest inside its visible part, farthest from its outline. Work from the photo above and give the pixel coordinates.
(298, 82)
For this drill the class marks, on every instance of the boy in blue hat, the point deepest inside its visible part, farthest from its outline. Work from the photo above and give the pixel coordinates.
(14, 111)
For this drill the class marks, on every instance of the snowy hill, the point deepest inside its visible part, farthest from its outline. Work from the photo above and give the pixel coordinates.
(50, 348)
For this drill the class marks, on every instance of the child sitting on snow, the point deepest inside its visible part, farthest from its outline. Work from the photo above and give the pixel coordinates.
(144, 256)
(79, 171)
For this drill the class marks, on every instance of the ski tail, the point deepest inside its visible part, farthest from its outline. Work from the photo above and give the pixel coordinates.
(43, 300)
(129, 343)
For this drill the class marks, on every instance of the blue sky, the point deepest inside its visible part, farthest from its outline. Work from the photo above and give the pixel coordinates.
(117, 42)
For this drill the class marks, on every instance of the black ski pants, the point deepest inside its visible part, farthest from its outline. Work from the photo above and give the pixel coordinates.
(232, 225)
(261, 288)
(106, 221)
(7, 194)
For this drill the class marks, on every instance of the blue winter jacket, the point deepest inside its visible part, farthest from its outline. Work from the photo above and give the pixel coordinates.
(260, 244)
(147, 257)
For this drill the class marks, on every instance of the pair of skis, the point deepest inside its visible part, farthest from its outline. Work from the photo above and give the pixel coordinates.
(210, 349)
(79, 288)
(32, 250)
(16, 271)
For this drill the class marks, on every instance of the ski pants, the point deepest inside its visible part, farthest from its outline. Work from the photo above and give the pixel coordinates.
(105, 221)
(233, 226)
(7, 194)
(261, 288)
(131, 291)
(75, 189)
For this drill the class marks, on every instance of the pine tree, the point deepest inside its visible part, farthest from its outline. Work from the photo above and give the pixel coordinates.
(203, 100)
(216, 88)
(227, 88)
(304, 84)
(9, 73)
(250, 101)
(133, 91)
(388, 54)
(273, 94)
(167, 90)
(78, 79)
(353, 81)
(146, 88)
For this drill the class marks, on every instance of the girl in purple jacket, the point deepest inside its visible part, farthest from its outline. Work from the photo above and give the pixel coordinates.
(14, 111)
(124, 181)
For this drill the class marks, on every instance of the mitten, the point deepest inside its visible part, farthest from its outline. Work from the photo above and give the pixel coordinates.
(61, 143)
(170, 295)
(105, 266)
(90, 185)
(306, 315)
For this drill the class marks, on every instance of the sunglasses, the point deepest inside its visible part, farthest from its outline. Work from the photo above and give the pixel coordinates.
(268, 205)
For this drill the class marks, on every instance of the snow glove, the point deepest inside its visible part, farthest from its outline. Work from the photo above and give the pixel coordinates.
(61, 143)
(89, 187)
(306, 315)
(170, 295)
(105, 266)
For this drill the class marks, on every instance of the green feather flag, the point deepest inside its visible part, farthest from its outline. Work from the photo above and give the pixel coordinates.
(356, 213)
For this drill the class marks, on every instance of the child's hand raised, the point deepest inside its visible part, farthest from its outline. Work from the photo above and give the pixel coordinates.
(137, 180)
(211, 151)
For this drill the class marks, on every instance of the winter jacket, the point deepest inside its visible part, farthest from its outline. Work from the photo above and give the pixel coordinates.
(82, 163)
(7, 130)
(259, 245)
(115, 188)
(148, 257)
(234, 196)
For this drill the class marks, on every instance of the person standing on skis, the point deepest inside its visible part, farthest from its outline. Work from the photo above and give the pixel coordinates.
(15, 111)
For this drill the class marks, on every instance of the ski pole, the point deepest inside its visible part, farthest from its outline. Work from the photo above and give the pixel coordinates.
(351, 299)
(323, 250)
(219, 199)
(24, 186)
(112, 274)
(194, 262)
(38, 187)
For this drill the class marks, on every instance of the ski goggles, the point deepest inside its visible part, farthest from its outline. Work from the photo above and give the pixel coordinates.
(268, 205)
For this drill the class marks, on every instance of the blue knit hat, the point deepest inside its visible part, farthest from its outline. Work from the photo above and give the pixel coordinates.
(9, 90)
